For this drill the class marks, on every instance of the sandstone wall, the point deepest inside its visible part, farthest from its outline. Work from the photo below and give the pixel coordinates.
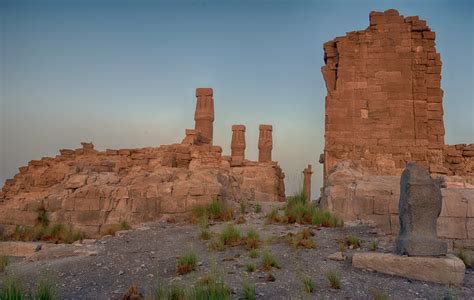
(352, 196)
(383, 110)
(94, 190)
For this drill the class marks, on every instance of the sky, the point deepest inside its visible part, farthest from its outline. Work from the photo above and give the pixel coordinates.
(123, 73)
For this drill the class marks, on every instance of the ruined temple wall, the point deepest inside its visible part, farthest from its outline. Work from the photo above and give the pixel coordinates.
(384, 102)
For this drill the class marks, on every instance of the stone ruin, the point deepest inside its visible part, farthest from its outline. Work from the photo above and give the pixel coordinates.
(384, 109)
(95, 190)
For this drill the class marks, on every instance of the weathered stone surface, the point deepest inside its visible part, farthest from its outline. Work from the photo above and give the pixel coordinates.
(204, 115)
(444, 270)
(265, 143)
(419, 208)
(307, 182)
(238, 145)
(19, 248)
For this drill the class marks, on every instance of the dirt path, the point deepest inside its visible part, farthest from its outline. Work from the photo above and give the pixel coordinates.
(145, 255)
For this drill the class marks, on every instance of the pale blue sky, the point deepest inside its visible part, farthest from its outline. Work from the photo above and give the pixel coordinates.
(122, 73)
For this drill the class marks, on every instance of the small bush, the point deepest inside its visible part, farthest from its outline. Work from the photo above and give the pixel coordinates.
(22, 233)
(253, 253)
(4, 261)
(270, 277)
(46, 290)
(252, 239)
(462, 255)
(303, 239)
(374, 245)
(176, 292)
(273, 216)
(308, 284)
(125, 226)
(209, 287)
(352, 240)
(187, 262)
(334, 280)
(230, 236)
(205, 234)
(258, 208)
(12, 290)
(250, 291)
(250, 267)
(216, 211)
(269, 261)
(243, 208)
(216, 244)
(43, 217)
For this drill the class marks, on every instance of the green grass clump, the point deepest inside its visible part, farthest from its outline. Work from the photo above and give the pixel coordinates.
(269, 261)
(204, 234)
(250, 291)
(12, 290)
(352, 240)
(380, 295)
(125, 226)
(57, 233)
(334, 279)
(374, 245)
(243, 207)
(308, 284)
(258, 208)
(230, 236)
(43, 217)
(216, 244)
(253, 253)
(211, 289)
(250, 267)
(462, 255)
(186, 263)
(252, 240)
(4, 261)
(216, 211)
(176, 292)
(46, 290)
(303, 239)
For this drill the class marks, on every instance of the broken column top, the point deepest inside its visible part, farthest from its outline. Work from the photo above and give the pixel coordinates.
(265, 127)
(238, 127)
(204, 92)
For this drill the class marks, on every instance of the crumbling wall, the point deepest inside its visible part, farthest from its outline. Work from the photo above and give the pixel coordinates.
(383, 110)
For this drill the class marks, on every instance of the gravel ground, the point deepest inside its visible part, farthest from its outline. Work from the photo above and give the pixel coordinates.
(148, 253)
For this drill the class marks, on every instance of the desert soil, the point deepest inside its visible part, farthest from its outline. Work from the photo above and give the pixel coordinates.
(148, 253)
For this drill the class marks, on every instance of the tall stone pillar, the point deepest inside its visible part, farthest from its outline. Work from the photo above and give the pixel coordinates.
(238, 143)
(204, 115)
(307, 182)
(265, 143)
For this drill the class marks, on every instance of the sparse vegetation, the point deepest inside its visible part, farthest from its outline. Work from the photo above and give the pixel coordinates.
(4, 261)
(212, 289)
(302, 239)
(269, 261)
(342, 247)
(57, 233)
(230, 236)
(243, 207)
(132, 293)
(374, 245)
(380, 295)
(43, 217)
(216, 211)
(352, 241)
(250, 267)
(252, 240)
(334, 279)
(299, 210)
(216, 244)
(462, 255)
(258, 208)
(124, 225)
(204, 234)
(12, 290)
(187, 262)
(308, 284)
(46, 290)
(253, 253)
(176, 292)
(249, 290)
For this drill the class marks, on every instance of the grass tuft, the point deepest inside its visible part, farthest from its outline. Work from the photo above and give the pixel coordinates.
(253, 253)
(352, 240)
(374, 245)
(216, 211)
(462, 255)
(303, 239)
(186, 263)
(334, 279)
(250, 267)
(269, 261)
(125, 226)
(204, 234)
(230, 236)
(4, 261)
(46, 290)
(252, 240)
(250, 291)
(258, 208)
(308, 284)
(12, 290)
(243, 208)
(43, 217)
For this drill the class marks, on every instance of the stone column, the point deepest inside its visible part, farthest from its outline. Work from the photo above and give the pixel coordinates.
(307, 182)
(265, 143)
(204, 115)
(238, 142)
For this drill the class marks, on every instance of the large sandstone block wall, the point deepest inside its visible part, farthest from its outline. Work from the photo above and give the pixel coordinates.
(355, 196)
(94, 190)
(384, 99)
(384, 109)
